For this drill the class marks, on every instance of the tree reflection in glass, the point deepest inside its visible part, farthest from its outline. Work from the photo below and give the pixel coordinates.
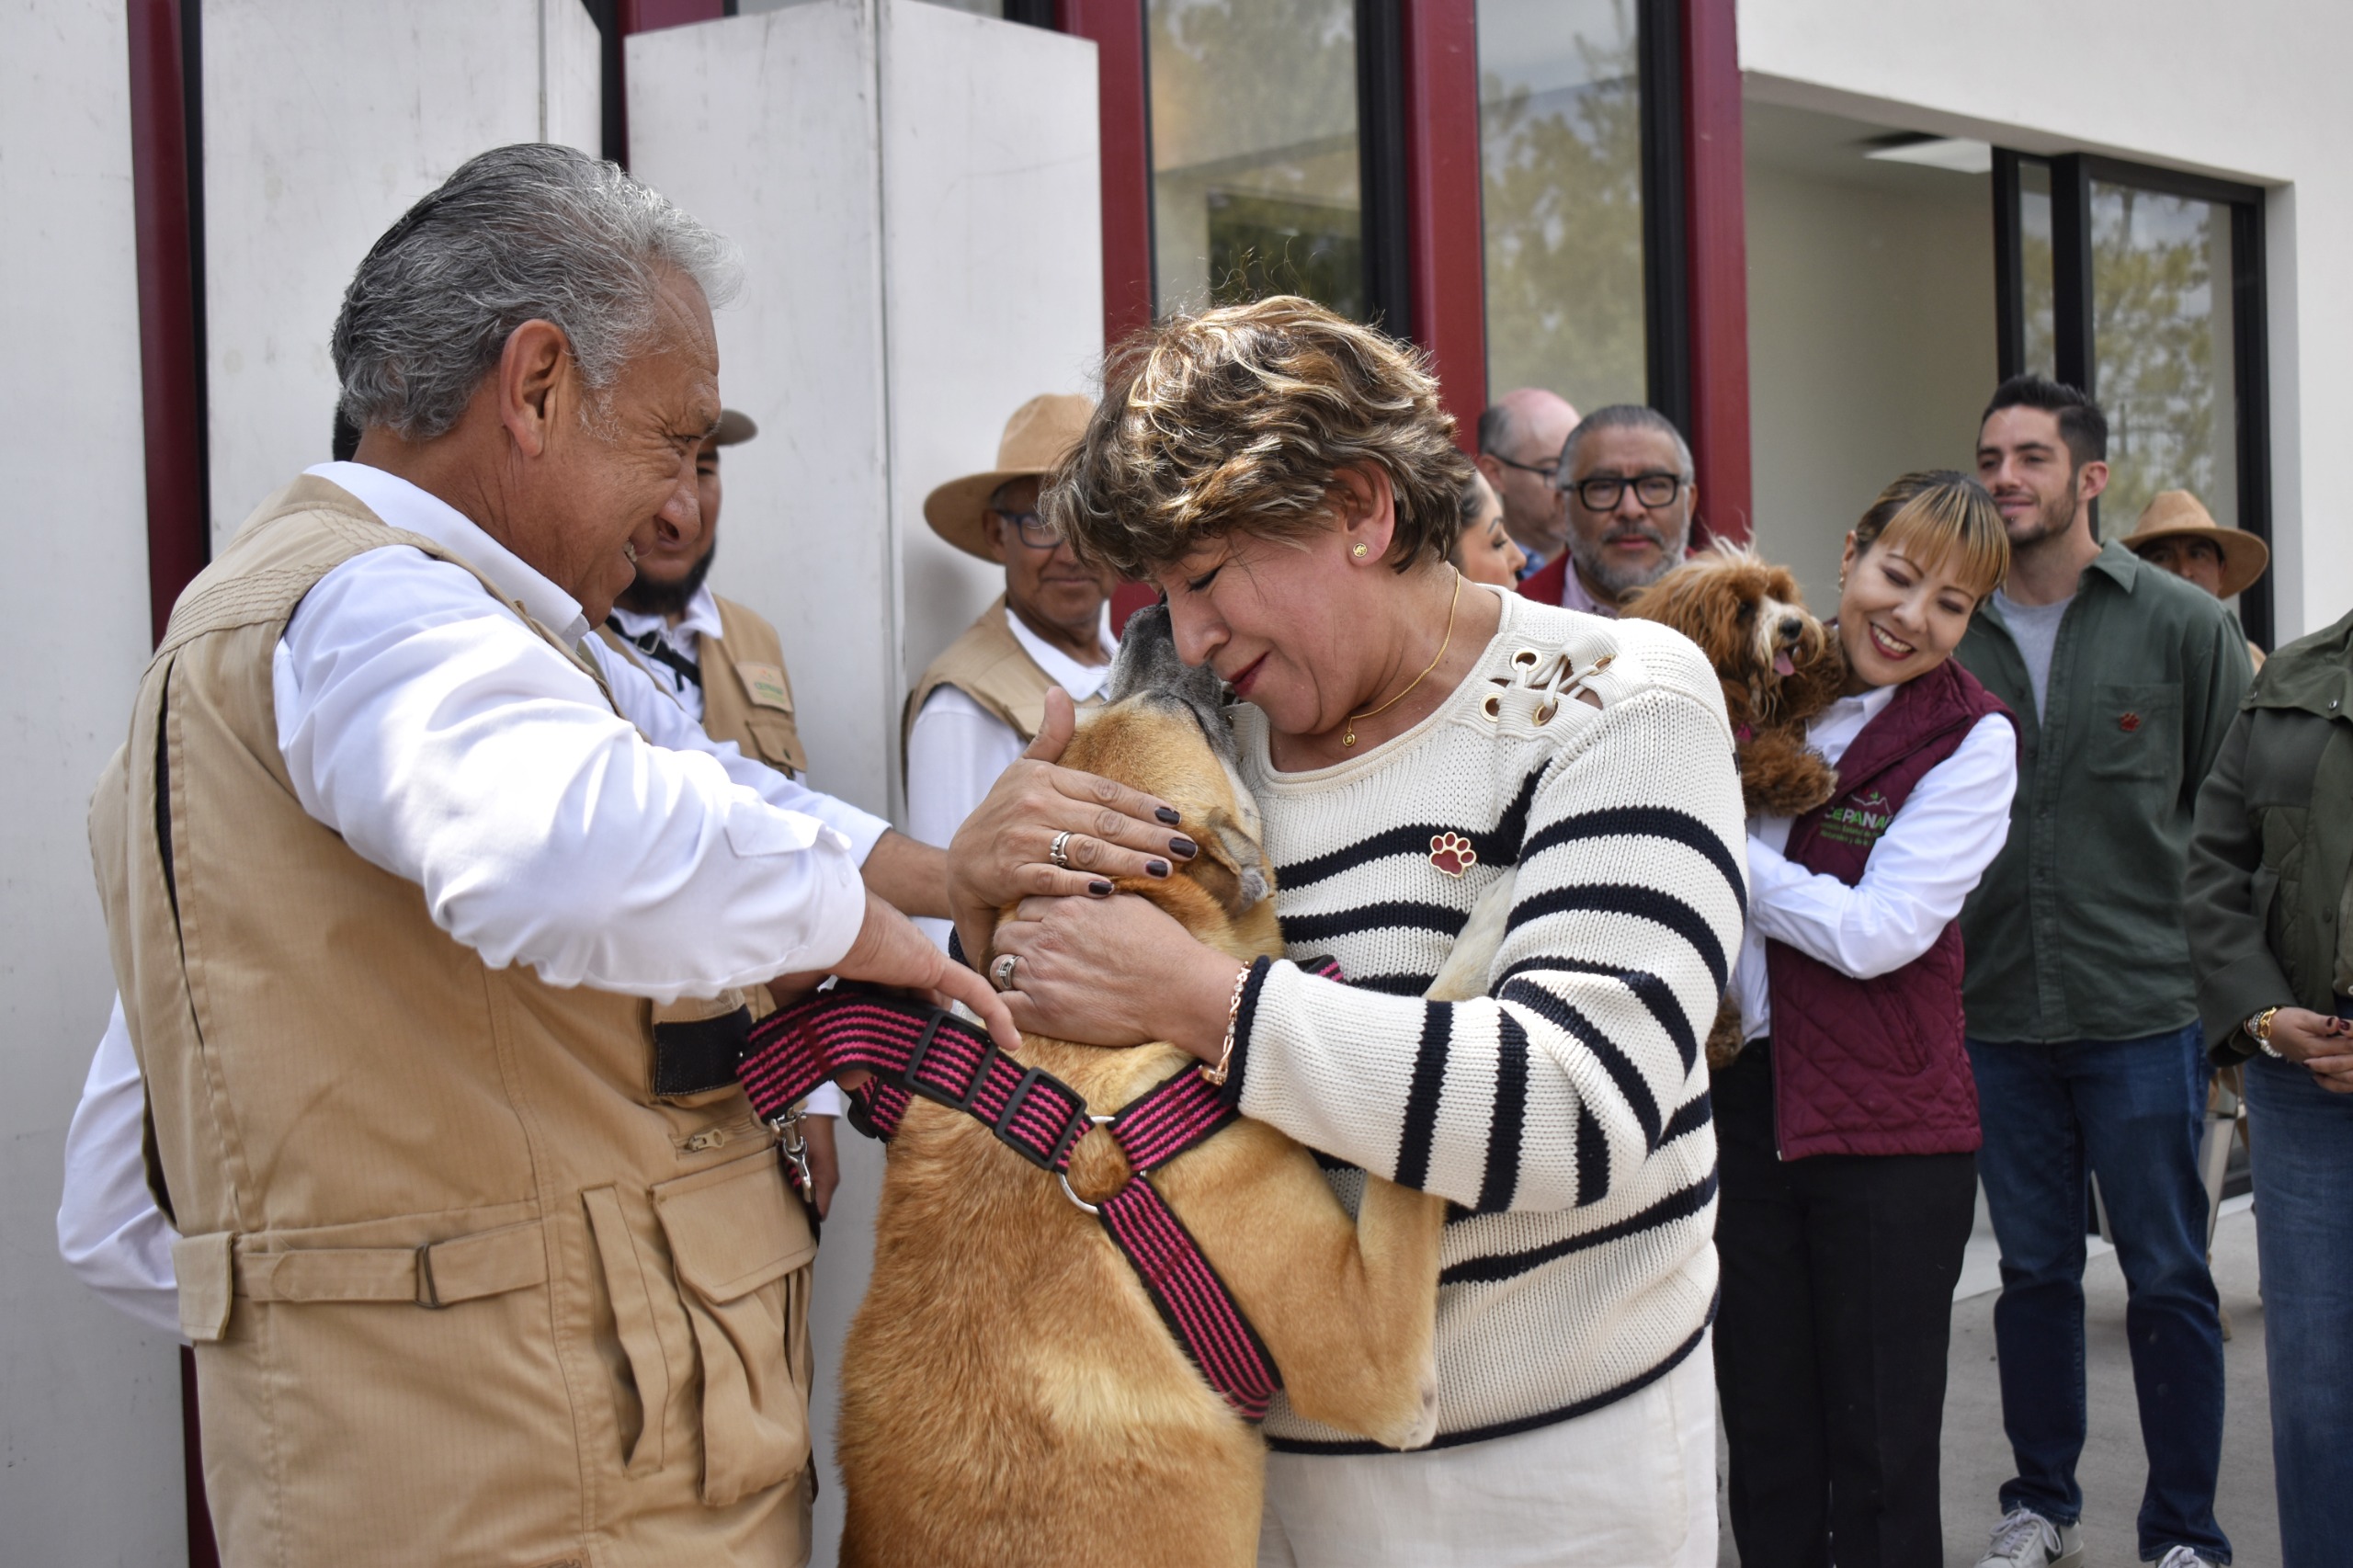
(1256, 189)
(1559, 112)
(2162, 336)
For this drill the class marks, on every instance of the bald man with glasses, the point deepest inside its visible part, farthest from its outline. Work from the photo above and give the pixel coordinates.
(1627, 494)
(1519, 446)
(982, 702)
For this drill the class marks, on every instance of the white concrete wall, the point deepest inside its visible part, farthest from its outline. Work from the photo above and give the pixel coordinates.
(914, 191)
(993, 212)
(2253, 92)
(916, 194)
(1870, 349)
(322, 124)
(89, 1402)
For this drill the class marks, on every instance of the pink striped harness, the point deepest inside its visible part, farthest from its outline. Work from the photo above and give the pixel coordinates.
(915, 1050)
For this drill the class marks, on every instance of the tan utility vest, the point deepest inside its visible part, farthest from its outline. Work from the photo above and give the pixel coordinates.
(464, 1289)
(989, 664)
(746, 695)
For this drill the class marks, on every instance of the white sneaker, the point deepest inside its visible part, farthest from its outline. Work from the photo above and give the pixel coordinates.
(2183, 1557)
(2026, 1540)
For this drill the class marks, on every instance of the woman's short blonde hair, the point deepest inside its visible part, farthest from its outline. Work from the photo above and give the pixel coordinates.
(1240, 420)
(1936, 517)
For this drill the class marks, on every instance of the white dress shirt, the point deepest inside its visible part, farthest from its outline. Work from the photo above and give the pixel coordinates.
(701, 620)
(1944, 836)
(108, 1230)
(449, 744)
(957, 748)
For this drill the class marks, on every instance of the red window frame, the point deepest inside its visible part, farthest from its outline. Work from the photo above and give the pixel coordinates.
(1445, 240)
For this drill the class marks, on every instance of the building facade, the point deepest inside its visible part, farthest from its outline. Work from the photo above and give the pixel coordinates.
(1812, 231)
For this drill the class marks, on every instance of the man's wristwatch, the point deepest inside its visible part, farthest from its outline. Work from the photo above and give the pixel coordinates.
(2258, 1030)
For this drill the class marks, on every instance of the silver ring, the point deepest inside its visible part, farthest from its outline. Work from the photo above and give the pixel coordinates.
(1059, 850)
(1064, 1177)
(1001, 972)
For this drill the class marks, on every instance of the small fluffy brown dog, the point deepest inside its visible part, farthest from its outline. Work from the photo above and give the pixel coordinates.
(1009, 1394)
(1779, 667)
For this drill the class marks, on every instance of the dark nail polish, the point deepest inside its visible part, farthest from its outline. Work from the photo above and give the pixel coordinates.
(1099, 888)
(1166, 814)
(1156, 867)
(1183, 849)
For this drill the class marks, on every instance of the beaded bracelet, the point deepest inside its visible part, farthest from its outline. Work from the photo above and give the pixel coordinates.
(1233, 1016)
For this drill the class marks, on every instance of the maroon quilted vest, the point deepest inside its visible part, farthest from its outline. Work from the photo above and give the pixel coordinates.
(1877, 1066)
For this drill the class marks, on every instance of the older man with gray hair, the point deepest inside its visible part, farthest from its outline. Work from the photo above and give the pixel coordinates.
(430, 917)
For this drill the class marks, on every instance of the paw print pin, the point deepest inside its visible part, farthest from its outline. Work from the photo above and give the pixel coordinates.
(1451, 853)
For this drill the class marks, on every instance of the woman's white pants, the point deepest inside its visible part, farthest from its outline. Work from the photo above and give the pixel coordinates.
(1631, 1485)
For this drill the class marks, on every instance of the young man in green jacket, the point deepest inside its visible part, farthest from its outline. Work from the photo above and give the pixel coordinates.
(2083, 1020)
(2271, 904)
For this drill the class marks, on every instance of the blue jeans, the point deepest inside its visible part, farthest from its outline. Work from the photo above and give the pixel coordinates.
(2301, 1138)
(2129, 1109)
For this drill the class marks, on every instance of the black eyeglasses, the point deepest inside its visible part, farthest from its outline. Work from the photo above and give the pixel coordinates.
(1601, 495)
(1547, 470)
(1034, 531)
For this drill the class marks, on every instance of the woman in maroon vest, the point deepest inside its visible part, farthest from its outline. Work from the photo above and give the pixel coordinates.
(1848, 1125)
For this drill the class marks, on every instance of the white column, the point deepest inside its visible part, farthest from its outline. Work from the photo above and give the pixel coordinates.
(992, 217)
(322, 125)
(915, 193)
(89, 1401)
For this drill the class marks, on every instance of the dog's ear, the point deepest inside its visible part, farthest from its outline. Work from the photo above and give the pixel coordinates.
(1230, 868)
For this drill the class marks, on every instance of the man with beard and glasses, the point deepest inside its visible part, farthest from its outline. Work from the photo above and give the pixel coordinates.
(1626, 477)
(2081, 1000)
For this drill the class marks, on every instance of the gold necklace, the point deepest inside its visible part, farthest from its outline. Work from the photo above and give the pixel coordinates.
(1349, 736)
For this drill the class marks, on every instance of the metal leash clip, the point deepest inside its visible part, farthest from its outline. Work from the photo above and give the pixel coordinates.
(794, 1146)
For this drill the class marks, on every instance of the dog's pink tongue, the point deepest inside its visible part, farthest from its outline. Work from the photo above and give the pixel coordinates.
(1784, 665)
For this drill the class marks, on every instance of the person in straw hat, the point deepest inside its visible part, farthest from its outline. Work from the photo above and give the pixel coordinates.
(2176, 533)
(982, 701)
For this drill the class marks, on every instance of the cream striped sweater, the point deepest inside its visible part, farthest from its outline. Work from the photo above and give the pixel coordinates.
(1566, 1112)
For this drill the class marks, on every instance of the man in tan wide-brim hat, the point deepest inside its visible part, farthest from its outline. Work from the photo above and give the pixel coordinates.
(982, 702)
(2176, 533)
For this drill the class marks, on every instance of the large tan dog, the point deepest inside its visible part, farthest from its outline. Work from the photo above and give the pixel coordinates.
(1009, 1394)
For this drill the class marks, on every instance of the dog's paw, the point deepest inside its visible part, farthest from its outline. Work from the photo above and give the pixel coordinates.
(1452, 853)
(1423, 1429)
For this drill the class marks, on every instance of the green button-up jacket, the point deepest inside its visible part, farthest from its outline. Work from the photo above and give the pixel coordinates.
(2270, 892)
(2076, 931)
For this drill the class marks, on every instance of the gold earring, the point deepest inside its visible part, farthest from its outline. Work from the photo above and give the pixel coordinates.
(1357, 550)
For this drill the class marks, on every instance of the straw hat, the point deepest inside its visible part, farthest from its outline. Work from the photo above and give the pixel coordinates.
(1037, 436)
(2176, 514)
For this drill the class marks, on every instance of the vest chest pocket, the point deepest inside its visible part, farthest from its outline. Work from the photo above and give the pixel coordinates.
(741, 1245)
(2133, 732)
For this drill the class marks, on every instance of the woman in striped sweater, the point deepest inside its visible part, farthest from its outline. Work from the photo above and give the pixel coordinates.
(1289, 479)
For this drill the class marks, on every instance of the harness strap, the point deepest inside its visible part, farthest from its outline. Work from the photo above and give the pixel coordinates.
(915, 1049)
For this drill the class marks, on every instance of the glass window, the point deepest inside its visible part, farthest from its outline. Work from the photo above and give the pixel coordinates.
(2038, 290)
(1256, 182)
(2161, 337)
(1560, 138)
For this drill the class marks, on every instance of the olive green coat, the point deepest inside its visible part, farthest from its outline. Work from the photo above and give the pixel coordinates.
(2271, 854)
